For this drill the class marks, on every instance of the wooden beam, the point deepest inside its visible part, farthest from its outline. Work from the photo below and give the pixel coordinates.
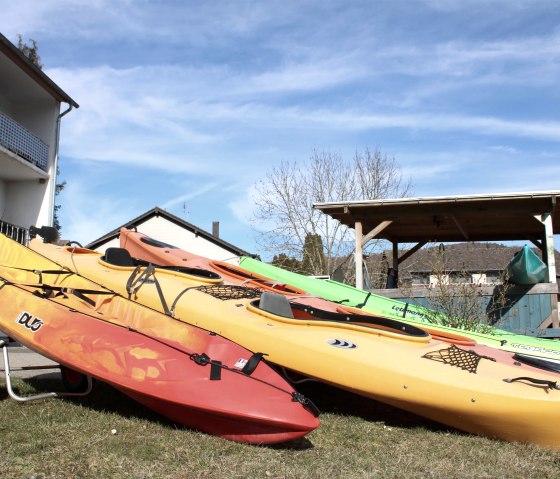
(375, 231)
(411, 251)
(537, 243)
(465, 235)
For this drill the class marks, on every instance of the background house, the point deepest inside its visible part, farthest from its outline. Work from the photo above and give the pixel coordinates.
(475, 263)
(163, 226)
(30, 116)
(481, 263)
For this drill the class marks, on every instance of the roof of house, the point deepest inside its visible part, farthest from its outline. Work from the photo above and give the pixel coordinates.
(491, 217)
(17, 57)
(459, 257)
(158, 212)
(463, 257)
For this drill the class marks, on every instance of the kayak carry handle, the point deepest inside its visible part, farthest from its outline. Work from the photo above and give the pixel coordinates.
(543, 382)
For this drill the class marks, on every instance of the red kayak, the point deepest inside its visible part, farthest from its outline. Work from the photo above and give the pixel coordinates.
(190, 375)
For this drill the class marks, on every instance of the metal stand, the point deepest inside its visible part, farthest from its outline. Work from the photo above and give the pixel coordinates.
(13, 395)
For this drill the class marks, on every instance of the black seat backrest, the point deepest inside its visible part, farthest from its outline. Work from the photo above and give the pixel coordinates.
(276, 304)
(118, 257)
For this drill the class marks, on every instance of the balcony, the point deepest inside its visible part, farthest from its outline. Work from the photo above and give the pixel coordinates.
(20, 141)
(17, 233)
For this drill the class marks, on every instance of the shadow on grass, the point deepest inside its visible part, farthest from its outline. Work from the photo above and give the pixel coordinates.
(103, 398)
(106, 399)
(330, 399)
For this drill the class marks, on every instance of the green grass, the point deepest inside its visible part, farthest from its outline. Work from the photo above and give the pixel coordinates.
(358, 438)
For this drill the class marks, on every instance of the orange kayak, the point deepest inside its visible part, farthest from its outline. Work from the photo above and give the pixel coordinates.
(160, 253)
(190, 375)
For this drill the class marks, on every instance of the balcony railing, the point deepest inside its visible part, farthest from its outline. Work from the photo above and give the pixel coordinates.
(17, 233)
(19, 140)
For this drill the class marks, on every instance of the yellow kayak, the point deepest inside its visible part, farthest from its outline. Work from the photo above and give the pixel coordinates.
(476, 388)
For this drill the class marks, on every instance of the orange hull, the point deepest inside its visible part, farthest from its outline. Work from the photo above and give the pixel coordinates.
(188, 374)
(146, 248)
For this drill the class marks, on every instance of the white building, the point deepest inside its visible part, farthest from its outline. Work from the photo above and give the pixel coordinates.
(163, 226)
(30, 117)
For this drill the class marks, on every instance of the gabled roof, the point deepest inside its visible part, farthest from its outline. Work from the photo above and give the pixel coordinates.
(16, 56)
(158, 212)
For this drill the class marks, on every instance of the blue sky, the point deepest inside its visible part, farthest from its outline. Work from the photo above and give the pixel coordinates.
(186, 105)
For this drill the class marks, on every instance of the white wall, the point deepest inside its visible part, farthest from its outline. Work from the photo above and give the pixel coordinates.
(27, 200)
(30, 202)
(2, 199)
(163, 230)
(479, 278)
(40, 119)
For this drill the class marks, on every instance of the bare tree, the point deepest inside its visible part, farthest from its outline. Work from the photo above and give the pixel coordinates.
(284, 199)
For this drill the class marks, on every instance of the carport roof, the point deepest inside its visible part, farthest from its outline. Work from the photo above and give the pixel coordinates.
(487, 217)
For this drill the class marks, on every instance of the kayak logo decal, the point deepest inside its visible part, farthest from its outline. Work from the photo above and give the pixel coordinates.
(536, 349)
(29, 321)
(342, 343)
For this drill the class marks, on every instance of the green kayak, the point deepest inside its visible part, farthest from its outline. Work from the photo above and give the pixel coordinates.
(526, 267)
(391, 308)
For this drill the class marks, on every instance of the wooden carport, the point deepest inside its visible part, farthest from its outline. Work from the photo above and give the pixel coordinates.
(531, 217)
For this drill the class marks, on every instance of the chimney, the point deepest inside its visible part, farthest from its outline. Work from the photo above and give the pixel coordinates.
(216, 229)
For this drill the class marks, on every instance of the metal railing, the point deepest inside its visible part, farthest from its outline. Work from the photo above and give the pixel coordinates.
(22, 142)
(17, 233)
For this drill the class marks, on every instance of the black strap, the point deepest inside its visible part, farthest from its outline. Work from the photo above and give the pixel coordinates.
(252, 363)
(307, 403)
(405, 310)
(172, 310)
(133, 280)
(200, 359)
(49, 271)
(215, 370)
(544, 382)
(41, 272)
(83, 297)
(361, 305)
(215, 366)
(136, 281)
(78, 292)
(342, 301)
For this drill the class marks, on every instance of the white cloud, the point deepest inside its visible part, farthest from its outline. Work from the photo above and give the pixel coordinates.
(218, 91)
(200, 191)
(88, 213)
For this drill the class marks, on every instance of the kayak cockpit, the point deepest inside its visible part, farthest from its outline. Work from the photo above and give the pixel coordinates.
(120, 257)
(278, 305)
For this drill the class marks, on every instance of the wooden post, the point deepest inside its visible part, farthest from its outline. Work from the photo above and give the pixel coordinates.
(396, 261)
(359, 255)
(548, 247)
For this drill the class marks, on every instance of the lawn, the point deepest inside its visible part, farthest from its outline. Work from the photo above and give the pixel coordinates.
(107, 435)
